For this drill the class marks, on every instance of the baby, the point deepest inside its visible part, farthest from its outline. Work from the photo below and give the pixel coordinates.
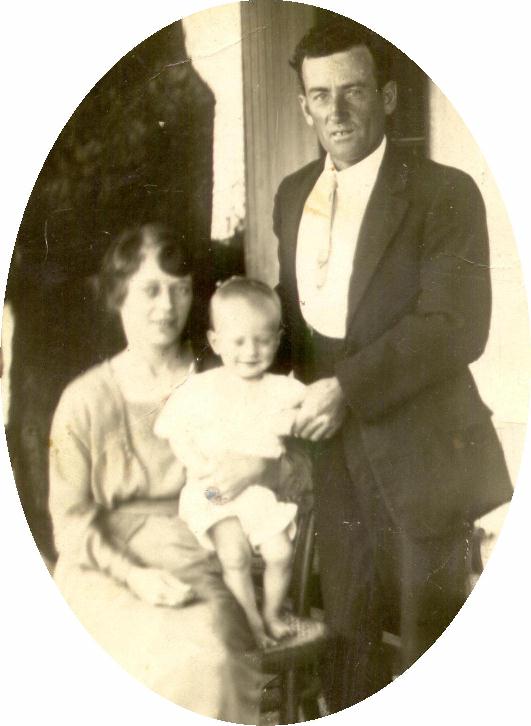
(239, 408)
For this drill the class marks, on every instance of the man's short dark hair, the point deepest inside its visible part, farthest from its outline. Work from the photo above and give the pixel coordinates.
(342, 35)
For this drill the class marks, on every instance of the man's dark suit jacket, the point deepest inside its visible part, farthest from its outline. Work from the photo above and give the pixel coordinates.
(418, 315)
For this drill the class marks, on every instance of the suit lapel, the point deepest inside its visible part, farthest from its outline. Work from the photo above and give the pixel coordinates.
(295, 212)
(385, 210)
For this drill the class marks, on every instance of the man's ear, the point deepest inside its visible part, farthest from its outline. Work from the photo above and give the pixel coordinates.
(305, 112)
(389, 97)
(213, 340)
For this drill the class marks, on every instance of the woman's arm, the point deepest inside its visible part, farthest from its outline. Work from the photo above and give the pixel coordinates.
(78, 538)
(73, 509)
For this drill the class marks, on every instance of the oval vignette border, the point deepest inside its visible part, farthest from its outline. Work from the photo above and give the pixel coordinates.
(39, 674)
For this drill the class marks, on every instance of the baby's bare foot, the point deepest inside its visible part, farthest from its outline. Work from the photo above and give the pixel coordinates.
(263, 639)
(279, 628)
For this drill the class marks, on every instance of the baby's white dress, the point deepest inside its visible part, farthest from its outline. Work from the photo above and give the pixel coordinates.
(221, 413)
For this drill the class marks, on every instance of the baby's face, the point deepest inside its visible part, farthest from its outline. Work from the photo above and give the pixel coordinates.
(245, 337)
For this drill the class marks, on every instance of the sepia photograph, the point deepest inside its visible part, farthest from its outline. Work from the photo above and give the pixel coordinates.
(265, 361)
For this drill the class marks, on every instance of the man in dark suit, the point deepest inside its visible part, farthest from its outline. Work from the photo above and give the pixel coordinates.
(384, 278)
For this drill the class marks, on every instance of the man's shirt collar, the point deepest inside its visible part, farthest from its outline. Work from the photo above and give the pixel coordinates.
(366, 169)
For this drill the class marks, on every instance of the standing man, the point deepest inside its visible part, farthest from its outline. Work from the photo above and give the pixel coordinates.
(384, 277)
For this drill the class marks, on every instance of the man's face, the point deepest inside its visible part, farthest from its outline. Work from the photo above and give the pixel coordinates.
(342, 102)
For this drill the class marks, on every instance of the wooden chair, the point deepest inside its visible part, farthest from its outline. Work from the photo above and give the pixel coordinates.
(293, 660)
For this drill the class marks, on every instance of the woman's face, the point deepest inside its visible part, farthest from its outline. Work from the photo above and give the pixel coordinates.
(156, 306)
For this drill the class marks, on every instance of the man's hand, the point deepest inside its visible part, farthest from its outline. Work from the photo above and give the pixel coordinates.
(322, 412)
(225, 478)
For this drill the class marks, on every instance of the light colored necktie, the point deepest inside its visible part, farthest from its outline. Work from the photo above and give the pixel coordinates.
(325, 243)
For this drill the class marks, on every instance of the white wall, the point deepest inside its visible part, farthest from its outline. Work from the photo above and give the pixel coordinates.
(213, 42)
(503, 371)
(8, 326)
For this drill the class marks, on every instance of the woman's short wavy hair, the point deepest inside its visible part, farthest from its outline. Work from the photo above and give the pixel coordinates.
(126, 253)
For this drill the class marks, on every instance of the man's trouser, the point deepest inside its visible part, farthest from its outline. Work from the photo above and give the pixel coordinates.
(374, 577)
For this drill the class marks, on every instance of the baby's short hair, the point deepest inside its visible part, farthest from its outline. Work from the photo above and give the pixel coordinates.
(254, 292)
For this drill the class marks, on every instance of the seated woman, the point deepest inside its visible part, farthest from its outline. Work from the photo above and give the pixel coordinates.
(128, 566)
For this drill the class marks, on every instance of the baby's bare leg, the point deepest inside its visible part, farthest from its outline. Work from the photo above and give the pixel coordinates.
(277, 554)
(234, 554)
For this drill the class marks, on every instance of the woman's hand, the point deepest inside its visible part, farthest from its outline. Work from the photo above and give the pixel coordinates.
(158, 587)
(225, 478)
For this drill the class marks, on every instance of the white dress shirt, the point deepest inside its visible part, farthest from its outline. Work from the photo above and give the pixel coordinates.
(327, 238)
